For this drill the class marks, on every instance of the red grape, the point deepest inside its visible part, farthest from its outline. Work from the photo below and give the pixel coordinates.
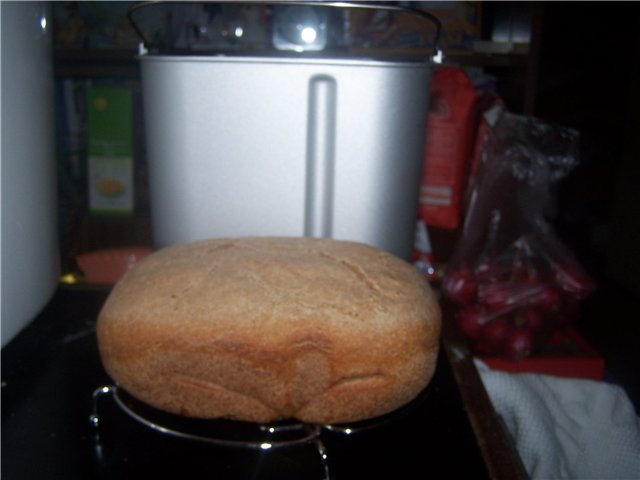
(460, 286)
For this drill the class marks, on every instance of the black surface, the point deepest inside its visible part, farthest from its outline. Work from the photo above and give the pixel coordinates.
(50, 370)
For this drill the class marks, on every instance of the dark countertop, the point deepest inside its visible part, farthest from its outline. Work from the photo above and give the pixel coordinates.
(51, 368)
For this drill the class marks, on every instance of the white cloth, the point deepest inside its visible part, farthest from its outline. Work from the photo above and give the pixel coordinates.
(567, 428)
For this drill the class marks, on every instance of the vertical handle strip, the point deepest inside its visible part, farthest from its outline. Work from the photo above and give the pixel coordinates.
(321, 133)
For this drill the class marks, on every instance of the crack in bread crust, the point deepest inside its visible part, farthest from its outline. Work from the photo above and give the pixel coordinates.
(215, 388)
(358, 378)
(355, 269)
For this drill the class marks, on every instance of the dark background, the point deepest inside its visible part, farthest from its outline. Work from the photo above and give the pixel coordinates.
(589, 75)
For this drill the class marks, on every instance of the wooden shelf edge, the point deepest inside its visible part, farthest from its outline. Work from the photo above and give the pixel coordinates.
(502, 460)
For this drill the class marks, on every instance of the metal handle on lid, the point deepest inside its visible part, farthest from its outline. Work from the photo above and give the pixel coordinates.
(376, 6)
(423, 14)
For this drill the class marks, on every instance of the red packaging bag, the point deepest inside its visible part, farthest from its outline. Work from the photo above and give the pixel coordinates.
(450, 133)
(515, 283)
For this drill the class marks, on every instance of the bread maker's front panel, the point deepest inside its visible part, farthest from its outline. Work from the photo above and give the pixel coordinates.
(285, 147)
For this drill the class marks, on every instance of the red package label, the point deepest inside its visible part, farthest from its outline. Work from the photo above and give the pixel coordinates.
(450, 131)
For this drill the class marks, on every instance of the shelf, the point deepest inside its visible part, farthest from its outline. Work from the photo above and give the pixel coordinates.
(123, 63)
(510, 60)
(96, 63)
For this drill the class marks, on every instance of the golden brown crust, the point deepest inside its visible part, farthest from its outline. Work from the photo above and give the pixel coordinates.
(258, 329)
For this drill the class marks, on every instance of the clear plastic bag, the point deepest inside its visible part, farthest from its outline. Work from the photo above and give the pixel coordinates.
(512, 278)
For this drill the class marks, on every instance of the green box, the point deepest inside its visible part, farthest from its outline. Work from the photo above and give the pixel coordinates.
(110, 130)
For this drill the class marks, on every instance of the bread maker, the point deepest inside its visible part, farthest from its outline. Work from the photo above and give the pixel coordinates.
(285, 119)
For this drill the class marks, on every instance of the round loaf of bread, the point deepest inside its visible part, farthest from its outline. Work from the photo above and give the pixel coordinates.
(260, 329)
